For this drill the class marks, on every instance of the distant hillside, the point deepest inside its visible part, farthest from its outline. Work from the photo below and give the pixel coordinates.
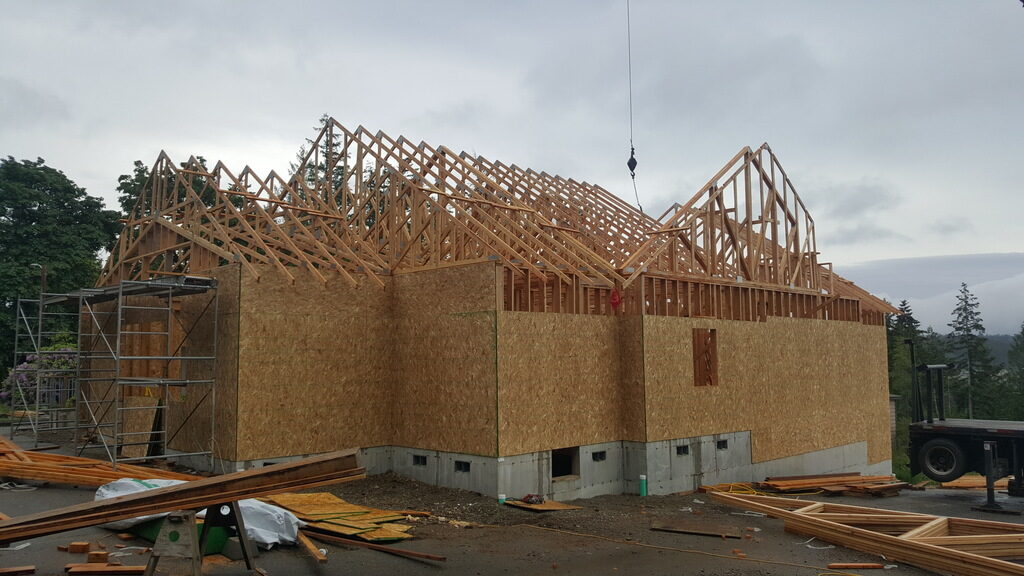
(999, 345)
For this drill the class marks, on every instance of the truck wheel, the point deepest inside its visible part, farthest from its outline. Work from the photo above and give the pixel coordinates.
(942, 460)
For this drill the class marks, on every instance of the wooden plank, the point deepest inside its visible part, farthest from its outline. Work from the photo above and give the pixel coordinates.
(17, 570)
(316, 471)
(100, 569)
(313, 549)
(388, 549)
(699, 527)
(546, 506)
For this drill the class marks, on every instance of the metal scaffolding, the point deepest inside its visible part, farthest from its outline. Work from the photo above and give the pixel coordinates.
(45, 366)
(137, 359)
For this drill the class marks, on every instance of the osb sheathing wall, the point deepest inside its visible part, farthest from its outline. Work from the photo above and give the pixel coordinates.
(798, 385)
(312, 365)
(323, 367)
(444, 389)
(195, 314)
(563, 381)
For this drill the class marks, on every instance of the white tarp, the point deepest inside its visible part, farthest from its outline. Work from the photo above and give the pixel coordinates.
(265, 524)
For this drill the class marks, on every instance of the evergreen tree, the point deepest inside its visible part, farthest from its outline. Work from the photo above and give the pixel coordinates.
(1015, 374)
(975, 386)
(901, 328)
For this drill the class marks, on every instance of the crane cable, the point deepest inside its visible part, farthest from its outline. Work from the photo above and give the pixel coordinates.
(631, 163)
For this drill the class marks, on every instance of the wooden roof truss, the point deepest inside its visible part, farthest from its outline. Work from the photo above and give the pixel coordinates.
(362, 203)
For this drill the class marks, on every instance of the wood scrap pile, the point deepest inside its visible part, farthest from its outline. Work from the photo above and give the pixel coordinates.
(196, 494)
(326, 513)
(27, 465)
(835, 484)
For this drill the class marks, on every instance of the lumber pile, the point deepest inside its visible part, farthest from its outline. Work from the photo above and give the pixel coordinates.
(27, 465)
(835, 484)
(328, 514)
(975, 482)
(193, 495)
(960, 546)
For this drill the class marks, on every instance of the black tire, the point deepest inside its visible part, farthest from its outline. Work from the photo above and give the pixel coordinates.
(942, 460)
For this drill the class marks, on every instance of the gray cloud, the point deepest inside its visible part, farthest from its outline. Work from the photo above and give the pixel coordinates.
(25, 107)
(863, 233)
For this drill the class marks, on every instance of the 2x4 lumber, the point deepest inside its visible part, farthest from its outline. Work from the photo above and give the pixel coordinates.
(102, 569)
(313, 549)
(329, 468)
(17, 570)
(939, 526)
(388, 549)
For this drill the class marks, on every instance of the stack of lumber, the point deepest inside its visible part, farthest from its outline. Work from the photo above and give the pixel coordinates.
(961, 546)
(196, 494)
(975, 482)
(836, 484)
(328, 514)
(26, 465)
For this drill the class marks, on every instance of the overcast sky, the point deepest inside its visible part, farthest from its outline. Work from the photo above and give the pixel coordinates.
(901, 124)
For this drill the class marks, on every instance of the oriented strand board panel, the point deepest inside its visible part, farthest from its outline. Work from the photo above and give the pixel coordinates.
(443, 392)
(313, 365)
(799, 385)
(559, 381)
(189, 426)
(630, 347)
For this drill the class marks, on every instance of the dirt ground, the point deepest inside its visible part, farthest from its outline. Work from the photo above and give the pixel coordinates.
(608, 535)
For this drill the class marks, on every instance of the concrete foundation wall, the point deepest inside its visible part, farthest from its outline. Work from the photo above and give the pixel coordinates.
(670, 466)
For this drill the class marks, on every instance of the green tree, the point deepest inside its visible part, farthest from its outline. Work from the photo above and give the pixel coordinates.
(329, 164)
(1015, 358)
(975, 383)
(900, 328)
(47, 220)
(130, 186)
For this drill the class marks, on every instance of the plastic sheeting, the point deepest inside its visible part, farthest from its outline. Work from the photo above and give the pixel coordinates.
(265, 524)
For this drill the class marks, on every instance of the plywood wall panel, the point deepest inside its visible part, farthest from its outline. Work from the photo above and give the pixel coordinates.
(798, 385)
(559, 381)
(312, 359)
(443, 392)
(189, 414)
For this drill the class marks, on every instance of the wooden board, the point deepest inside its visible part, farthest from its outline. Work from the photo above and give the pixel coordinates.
(701, 527)
(308, 473)
(546, 506)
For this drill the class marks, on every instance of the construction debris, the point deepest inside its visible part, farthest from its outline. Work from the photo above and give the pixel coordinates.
(30, 465)
(546, 506)
(308, 473)
(959, 546)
